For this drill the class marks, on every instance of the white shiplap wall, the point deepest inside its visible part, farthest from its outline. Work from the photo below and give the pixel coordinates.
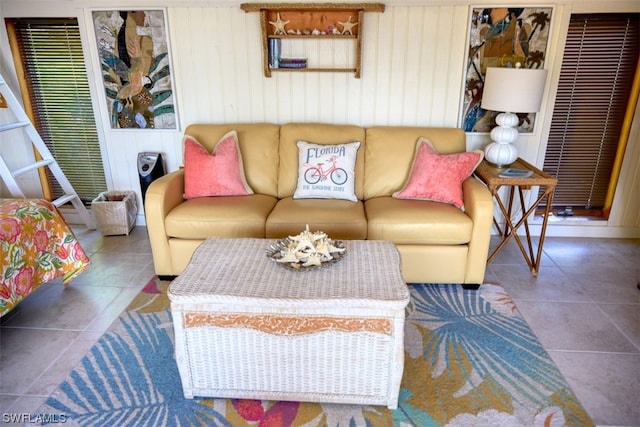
(412, 74)
(408, 53)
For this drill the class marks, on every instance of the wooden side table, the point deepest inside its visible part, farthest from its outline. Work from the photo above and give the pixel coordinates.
(490, 175)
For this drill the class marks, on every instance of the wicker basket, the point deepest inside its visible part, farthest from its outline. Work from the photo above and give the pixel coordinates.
(249, 329)
(115, 212)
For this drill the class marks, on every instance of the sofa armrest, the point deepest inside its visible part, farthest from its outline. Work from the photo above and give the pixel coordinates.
(478, 204)
(162, 196)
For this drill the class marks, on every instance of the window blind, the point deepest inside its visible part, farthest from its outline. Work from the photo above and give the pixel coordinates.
(597, 73)
(52, 57)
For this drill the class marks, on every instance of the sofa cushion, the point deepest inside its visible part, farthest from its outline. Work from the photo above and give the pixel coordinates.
(326, 171)
(340, 219)
(438, 177)
(389, 153)
(258, 145)
(230, 216)
(220, 173)
(317, 133)
(416, 222)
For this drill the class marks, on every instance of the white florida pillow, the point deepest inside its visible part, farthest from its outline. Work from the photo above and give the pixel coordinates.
(326, 171)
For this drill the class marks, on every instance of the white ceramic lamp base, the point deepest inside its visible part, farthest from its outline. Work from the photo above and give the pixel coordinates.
(501, 152)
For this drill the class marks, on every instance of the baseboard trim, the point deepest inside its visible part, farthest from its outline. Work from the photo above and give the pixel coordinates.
(589, 229)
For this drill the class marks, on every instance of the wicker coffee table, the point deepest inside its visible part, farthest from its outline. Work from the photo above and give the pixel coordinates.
(247, 328)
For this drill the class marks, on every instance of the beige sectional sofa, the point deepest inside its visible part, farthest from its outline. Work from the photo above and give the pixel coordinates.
(438, 242)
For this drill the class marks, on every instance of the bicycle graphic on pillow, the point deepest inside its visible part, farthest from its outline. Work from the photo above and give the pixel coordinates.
(315, 173)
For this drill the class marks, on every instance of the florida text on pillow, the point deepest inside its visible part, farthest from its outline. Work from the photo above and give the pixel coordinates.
(326, 171)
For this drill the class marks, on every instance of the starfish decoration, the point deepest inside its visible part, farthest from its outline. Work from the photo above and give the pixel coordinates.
(308, 249)
(278, 25)
(347, 27)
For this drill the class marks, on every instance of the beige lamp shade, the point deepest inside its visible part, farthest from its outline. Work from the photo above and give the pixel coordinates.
(514, 90)
(510, 90)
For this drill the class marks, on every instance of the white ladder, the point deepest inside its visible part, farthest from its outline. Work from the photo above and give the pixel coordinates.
(9, 176)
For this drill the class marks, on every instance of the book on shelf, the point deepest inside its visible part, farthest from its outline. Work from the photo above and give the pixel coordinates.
(293, 60)
(274, 52)
(294, 65)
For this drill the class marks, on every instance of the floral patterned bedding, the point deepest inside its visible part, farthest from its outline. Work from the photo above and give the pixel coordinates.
(36, 246)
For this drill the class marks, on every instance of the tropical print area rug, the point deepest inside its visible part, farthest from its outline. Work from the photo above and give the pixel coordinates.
(470, 360)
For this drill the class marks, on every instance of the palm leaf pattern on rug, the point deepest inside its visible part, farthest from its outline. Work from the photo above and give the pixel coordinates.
(490, 347)
(120, 382)
(470, 359)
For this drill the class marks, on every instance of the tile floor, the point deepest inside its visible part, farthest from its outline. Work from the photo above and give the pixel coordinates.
(584, 306)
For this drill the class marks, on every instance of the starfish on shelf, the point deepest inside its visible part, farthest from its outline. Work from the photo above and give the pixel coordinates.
(347, 27)
(278, 26)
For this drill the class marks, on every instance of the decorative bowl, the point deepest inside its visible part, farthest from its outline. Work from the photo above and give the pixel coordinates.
(306, 251)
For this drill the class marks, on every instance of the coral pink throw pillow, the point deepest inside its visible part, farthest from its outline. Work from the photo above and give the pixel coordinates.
(217, 174)
(438, 177)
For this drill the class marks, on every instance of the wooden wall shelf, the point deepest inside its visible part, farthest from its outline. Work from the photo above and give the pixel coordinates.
(305, 21)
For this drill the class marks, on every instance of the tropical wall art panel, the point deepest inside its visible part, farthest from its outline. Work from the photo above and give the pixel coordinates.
(501, 37)
(135, 62)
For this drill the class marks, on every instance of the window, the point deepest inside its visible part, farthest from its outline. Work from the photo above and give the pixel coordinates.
(49, 55)
(598, 69)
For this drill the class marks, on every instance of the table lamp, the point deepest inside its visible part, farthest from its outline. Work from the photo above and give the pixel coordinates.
(510, 90)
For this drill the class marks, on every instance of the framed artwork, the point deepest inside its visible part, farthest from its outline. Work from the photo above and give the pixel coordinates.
(501, 37)
(136, 69)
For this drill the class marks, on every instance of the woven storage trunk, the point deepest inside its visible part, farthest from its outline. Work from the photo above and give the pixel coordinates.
(258, 331)
(115, 212)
